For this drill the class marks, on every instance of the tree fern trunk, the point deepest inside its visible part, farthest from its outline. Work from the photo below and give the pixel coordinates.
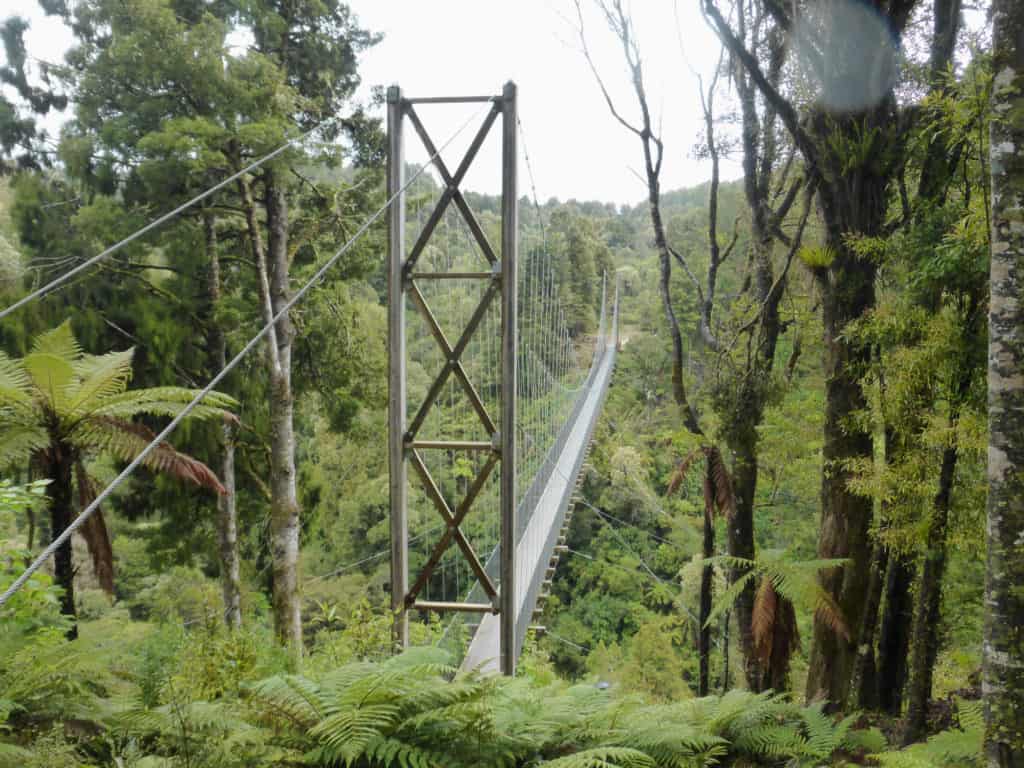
(59, 466)
(1003, 650)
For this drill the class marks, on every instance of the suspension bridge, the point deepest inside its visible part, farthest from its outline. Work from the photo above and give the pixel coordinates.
(495, 386)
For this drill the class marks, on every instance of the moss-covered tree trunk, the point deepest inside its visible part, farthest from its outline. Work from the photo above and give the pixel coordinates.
(741, 544)
(1003, 651)
(852, 204)
(760, 152)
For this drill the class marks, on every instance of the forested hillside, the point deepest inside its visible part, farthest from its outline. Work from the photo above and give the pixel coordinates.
(797, 536)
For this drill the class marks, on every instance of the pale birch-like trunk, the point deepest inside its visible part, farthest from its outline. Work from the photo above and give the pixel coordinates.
(272, 272)
(284, 514)
(227, 535)
(227, 516)
(1003, 649)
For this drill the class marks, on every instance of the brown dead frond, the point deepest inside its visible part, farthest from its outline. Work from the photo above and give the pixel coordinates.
(776, 634)
(675, 482)
(830, 614)
(94, 531)
(129, 438)
(718, 488)
(762, 626)
(725, 497)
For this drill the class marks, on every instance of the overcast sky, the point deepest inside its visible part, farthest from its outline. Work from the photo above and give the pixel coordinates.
(470, 47)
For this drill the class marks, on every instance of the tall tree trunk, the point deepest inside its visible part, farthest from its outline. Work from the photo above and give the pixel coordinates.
(284, 514)
(759, 159)
(939, 162)
(924, 639)
(272, 271)
(726, 639)
(894, 634)
(227, 517)
(59, 467)
(227, 534)
(741, 544)
(852, 203)
(865, 672)
(706, 581)
(1003, 649)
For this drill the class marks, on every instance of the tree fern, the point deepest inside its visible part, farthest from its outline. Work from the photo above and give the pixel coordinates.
(60, 406)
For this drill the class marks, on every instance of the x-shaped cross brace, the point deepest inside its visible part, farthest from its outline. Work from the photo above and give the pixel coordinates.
(453, 521)
(451, 191)
(453, 363)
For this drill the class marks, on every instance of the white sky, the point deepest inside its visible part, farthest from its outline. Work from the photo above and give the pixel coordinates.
(471, 47)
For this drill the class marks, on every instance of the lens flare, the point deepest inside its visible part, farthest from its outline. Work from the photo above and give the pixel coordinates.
(850, 53)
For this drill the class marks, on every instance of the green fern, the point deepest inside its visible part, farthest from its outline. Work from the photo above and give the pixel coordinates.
(954, 748)
(604, 757)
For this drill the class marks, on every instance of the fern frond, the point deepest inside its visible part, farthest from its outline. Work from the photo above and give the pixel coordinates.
(675, 481)
(423, 656)
(729, 597)
(770, 741)
(604, 757)
(350, 730)
(165, 401)
(15, 384)
(867, 740)
(970, 714)
(19, 439)
(293, 696)
(126, 440)
(822, 738)
(798, 582)
(100, 378)
(725, 496)
(59, 341)
(53, 378)
(392, 752)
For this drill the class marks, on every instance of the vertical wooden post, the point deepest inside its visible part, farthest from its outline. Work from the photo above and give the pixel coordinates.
(396, 371)
(509, 254)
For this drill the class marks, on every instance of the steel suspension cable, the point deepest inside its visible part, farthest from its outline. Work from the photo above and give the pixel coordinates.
(66, 534)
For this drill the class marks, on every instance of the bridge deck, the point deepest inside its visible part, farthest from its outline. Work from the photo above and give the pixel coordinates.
(537, 541)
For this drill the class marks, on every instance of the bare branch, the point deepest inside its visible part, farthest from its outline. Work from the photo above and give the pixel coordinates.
(597, 75)
(782, 106)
